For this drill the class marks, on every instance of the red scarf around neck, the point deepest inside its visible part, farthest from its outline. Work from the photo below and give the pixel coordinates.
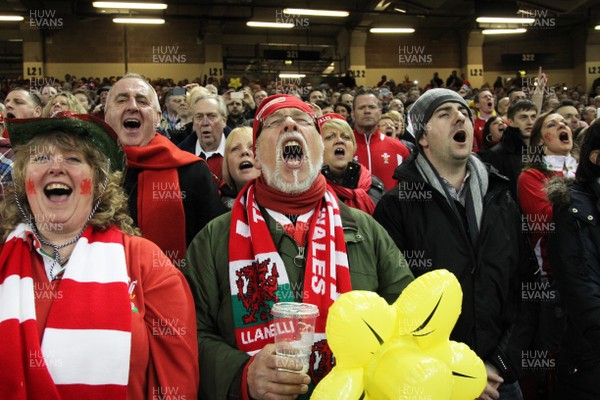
(357, 198)
(281, 202)
(161, 217)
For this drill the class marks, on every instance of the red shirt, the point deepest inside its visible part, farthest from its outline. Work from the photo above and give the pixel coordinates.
(381, 155)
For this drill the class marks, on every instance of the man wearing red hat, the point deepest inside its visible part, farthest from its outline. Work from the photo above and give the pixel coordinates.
(289, 239)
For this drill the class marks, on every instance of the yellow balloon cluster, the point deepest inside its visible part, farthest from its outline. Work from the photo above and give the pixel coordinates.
(401, 351)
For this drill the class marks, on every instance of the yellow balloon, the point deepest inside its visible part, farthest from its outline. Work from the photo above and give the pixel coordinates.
(429, 307)
(402, 371)
(442, 352)
(358, 323)
(468, 371)
(401, 351)
(340, 384)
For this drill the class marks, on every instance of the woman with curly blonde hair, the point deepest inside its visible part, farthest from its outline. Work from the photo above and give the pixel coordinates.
(92, 307)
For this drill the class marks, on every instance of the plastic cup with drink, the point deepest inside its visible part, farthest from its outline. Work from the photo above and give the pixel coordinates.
(294, 329)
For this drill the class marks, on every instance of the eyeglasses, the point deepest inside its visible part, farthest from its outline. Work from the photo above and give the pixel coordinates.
(278, 120)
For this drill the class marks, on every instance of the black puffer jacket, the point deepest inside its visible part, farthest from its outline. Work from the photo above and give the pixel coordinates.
(494, 321)
(574, 249)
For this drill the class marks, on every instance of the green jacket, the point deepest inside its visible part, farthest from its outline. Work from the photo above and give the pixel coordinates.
(375, 263)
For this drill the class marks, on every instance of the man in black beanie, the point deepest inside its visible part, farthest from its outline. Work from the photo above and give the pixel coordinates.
(449, 211)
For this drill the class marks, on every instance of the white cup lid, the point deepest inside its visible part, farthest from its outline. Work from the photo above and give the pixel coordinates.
(290, 309)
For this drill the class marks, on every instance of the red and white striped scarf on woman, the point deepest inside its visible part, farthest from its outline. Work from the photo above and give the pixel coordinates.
(86, 344)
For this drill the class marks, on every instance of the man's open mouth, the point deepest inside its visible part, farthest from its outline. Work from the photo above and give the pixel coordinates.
(460, 137)
(57, 191)
(293, 153)
(490, 104)
(132, 123)
(10, 115)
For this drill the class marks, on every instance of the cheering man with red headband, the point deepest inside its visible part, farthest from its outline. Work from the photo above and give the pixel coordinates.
(289, 239)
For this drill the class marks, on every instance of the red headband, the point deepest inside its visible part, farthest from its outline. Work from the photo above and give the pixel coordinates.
(328, 117)
(273, 103)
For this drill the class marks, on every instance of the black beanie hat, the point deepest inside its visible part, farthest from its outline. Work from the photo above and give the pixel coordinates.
(424, 107)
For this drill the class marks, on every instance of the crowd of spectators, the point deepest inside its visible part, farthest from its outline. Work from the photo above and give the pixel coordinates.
(89, 90)
(374, 140)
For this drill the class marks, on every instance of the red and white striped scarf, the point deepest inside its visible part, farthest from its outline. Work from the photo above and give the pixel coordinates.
(86, 344)
(258, 277)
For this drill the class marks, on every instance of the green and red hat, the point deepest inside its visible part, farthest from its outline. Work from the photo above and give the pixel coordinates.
(99, 133)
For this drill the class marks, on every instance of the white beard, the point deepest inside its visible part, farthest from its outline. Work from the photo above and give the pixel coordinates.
(274, 178)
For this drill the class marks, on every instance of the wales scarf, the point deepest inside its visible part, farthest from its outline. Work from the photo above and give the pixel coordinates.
(258, 277)
(86, 344)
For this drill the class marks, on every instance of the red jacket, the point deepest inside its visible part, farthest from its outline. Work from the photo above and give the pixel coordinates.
(478, 125)
(537, 213)
(381, 155)
(162, 356)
